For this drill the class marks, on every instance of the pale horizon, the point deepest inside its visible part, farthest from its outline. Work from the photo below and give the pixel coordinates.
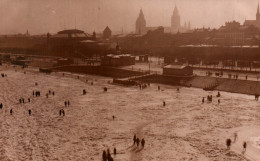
(39, 17)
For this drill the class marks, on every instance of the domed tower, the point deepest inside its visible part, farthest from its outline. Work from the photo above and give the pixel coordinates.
(175, 21)
(140, 24)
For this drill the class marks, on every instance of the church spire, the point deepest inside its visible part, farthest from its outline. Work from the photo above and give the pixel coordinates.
(258, 7)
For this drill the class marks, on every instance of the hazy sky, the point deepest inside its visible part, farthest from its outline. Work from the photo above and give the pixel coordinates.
(41, 16)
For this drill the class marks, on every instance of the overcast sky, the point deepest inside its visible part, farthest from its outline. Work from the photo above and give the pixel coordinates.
(42, 16)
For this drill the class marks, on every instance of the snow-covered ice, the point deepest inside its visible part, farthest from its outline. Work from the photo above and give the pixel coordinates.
(184, 129)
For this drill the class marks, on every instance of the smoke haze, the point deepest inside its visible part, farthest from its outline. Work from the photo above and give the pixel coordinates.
(42, 16)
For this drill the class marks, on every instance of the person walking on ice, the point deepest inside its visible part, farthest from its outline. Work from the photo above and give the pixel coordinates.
(142, 142)
(235, 136)
(134, 139)
(228, 143)
(137, 142)
(244, 147)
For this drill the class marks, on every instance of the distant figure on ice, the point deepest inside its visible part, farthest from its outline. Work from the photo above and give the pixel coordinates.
(114, 151)
(84, 92)
(30, 112)
(68, 103)
(244, 147)
(11, 111)
(109, 158)
(256, 97)
(203, 100)
(137, 141)
(164, 104)
(53, 93)
(36, 83)
(142, 142)
(235, 136)
(1, 106)
(113, 117)
(134, 139)
(65, 103)
(62, 112)
(105, 89)
(178, 90)
(218, 101)
(159, 88)
(228, 143)
(218, 95)
(104, 156)
(29, 100)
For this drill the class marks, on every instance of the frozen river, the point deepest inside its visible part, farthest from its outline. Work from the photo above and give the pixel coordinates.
(184, 129)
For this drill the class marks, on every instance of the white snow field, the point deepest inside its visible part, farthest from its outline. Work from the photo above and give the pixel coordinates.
(183, 130)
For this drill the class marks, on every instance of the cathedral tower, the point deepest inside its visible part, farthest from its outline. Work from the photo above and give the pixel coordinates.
(140, 25)
(175, 21)
(258, 14)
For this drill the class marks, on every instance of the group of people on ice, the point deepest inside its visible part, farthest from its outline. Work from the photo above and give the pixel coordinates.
(3, 75)
(106, 156)
(36, 93)
(144, 85)
(209, 98)
(137, 141)
(229, 141)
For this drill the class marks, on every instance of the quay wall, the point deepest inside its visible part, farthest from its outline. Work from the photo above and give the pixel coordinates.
(99, 70)
(128, 77)
(224, 84)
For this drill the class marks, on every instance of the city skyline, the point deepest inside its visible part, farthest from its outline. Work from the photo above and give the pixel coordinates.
(51, 16)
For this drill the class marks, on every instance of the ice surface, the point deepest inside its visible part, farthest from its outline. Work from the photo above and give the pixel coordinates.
(184, 129)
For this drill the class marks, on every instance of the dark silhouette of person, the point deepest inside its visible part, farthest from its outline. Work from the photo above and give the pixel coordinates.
(63, 112)
(105, 89)
(114, 151)
(137, 141)
(109, 158)
(29, 100)
(164, 104)
(143, 142)
(68, 103)
(134, 139)
(53, 93)
(244, 146)
(104, 156)
(65, 103)
(203, 100)
(159, 88)
(30, 112)
(113, 117)
(108, 152)
(218, 101)
(11, 111)
(1, 106)
(60, 112)
(228, 143)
